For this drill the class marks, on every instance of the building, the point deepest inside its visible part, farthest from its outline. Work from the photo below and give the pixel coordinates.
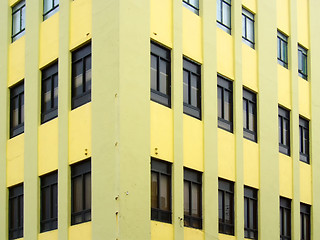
(159, 120)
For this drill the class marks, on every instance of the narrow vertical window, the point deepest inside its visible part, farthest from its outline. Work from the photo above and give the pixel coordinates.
(81, 76)
(18, 20)
(282, 49)
(305, 227)
(225, 104)
(224, 15)
(192, 5)
(284, 131)
(250, 213)
(160, 191)
(303, 62)
(285, 218)
(249, 115)
(191, 88)
(50, 7)
(248, 27)
(304, 140)
(49, 202)
(160, 75)
(49, 93)
(192, 199)
(81, 192)
(17, 109)
(16, 212)
(226, 207)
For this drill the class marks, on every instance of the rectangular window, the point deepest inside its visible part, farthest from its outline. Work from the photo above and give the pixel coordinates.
(161, 191)
(192, 198)
(225, 104)
(192, 5)
(191, 88)
(160, 71)
(250, 213)
(81, 192)
(305, 227)
(226, 207)
(248, 27)
(302, 62)
(49, 202)
(285, 218)
(304, 140)
(17, 109)
(18, 20)
(224, 15)
(81, 76)
(50, 7)
(282, 49)
(49, 93)
(284, 131)
(249, 115)
(16, 212)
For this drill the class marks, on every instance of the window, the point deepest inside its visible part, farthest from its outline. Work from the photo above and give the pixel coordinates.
(191, 88)
(282, 49)
(81, 76)
(160, 191)
(49, 93)
(285, 219)
(250, 213)
(192, 5)
(224, 15)
(225, 104)
(284, 131)
(249, 115)
(305, 229)
(304, 140)
(81, 192)
(16, 212)
(50, 7)
(17, 110)
(192, 199)
(303, 62)
(160, 75)
(18, 20)
(248, 27)
(49, 202)
(226, 207)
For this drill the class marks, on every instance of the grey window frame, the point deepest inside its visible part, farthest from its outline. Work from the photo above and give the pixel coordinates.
(251, 200)
(285, 218)
(19, 8)
(226, 87)
(191, 6)
(17, 91)
(226, 190)
(250, 100)
(16, 200)
(282, 40)
(283, 116)
(54, 8)
(247, 18)
(305, 221)
(220, 22)
(304, 140)
(302, 62)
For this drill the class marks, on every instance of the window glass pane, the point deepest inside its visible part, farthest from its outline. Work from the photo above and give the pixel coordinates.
(307, 224)
(300, 60)
(220, 90)
(185, 87)
(186, 198)
(77, 78)
(228, 208)
(243, 26)
(279, 48)
(165, 192)
(153, 72)
(55, 90)
(15, 23)
(227, 105)
(280, 129)
(47, 95)
(21, 108)
(219, 17)
(245, 114)
(251, 117)
(284, 51)
(195, 95)
(194, 3)
(286, 132)
(56, 2)
(246, 212)
(196, 200)
(23, 18)
(88, 72)
(87, 182)
(77, 194)
(221, 205)
(164, 77)
(55, 201)
(45, 207)
(47, 5)
(250, 30)
(154, 190)
(15, 111)
(226, 14)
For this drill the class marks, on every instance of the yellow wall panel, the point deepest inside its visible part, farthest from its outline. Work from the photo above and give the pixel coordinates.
(51, 235)
(191, 34)
(226, 155)
(80, 133)
(283, 16)
(161, 21)
(285, 175)
(226, 237)
(303, 22)
(48, 147)
(250, 4)
(161, 132)
(251, 163)
(15, 160)
(192, 143)
(305, 183)
(16, 61)
(249, 67)
(160, 231)
(304, 98)
(225, 54)
(80, 231)
(284, 87)
(193, 234)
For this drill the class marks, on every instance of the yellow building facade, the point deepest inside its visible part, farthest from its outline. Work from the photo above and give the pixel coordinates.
(120, 129)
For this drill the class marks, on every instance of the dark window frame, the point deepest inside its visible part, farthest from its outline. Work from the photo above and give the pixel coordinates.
(285, 217)
(16, 200)
(302, 62)
(49, 181)
(81, 169)
(305, 224)
(193, 69)
(284, 134)
(248, 17)
(161, 168)
(54, 8)
(17, 91)
(195, 9)
(163, 55)
(224, 26)
(282, 49)
(81, 55)
(48, 74)
(226, 189)
(20, 9)
(226, 87)
(304, 139)
(251, 225)
(250, 100)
